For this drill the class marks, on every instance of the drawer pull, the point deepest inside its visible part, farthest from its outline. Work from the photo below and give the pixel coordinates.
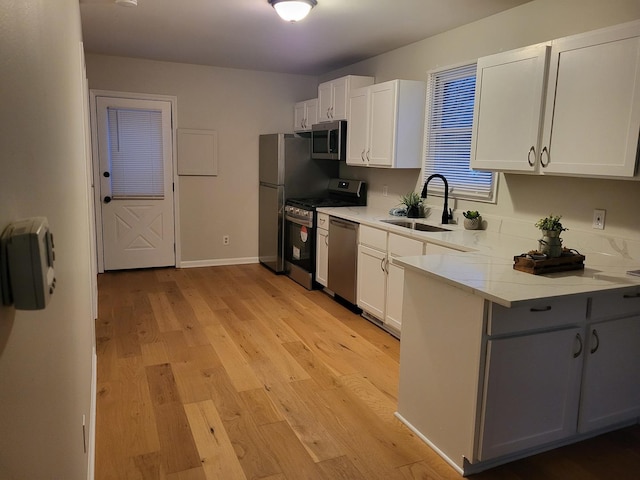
(631, 295)
(594, 332)
(579, 352)
(543, 309)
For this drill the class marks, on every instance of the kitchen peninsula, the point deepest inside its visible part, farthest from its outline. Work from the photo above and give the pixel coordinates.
(498, 364)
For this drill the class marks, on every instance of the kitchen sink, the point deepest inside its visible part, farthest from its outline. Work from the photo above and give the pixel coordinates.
(400, 223)
(422, 227)
(429, 228)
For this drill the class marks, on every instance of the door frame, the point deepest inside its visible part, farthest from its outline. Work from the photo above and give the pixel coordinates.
(97, 203)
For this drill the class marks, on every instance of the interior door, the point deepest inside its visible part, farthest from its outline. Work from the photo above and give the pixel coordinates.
(136, 182)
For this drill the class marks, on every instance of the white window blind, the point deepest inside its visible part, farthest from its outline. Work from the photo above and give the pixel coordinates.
(135, 153)
(448, 126)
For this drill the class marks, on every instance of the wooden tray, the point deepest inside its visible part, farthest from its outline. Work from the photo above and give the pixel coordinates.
(548, 265)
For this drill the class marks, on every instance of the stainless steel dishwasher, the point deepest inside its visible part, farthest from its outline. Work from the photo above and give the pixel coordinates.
(343, 258)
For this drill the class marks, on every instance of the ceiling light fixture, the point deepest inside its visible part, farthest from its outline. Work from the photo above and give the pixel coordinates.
(293, 10)
(127, 3)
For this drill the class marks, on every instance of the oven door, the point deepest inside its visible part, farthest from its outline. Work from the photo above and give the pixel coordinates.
(300, 251)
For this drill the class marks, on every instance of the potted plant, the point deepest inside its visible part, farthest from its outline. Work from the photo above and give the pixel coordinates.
(472, 220)
(413, 202)
(550, 243)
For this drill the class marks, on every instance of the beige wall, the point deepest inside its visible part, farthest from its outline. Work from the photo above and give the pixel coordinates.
(240, 105)
(45, 356)
(519, 196)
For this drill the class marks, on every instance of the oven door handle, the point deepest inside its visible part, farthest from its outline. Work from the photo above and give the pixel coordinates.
(299, 221)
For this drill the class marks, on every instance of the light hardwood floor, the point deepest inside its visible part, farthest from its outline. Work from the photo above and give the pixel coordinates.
(234, 373)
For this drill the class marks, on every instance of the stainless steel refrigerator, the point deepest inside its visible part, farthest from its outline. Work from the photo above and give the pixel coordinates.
(286, 171)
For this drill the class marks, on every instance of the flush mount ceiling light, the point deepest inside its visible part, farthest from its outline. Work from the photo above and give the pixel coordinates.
(127, 3)
(293, 10)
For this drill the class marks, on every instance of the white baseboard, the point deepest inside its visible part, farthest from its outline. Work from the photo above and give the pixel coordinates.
(91, 448)
(217, 262)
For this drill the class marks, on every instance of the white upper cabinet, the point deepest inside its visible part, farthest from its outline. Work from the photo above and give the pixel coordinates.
(507, 119)
(305, 114)
(573, 109)
(386, 125)
(592, 113)
(333, 95)
(358, 134)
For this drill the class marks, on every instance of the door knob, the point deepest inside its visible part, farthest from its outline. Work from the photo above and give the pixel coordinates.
(107, 199)
(106, 174)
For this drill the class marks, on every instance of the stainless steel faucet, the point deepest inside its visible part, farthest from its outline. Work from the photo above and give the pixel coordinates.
(446, 213)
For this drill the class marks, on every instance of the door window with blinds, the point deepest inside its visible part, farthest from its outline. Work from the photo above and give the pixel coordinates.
(448, 126)
(136, 153)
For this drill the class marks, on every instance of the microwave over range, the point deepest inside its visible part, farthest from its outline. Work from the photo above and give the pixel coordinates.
(329, 140)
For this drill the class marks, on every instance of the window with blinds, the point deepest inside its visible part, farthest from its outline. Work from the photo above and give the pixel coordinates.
(135, 153)
(448, 125)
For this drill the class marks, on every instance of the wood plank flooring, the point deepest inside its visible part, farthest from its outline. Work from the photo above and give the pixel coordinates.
(234, 373)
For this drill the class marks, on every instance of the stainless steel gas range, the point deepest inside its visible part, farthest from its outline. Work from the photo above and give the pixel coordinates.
(300, 226)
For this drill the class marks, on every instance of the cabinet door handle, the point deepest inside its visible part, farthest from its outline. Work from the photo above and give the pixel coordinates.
(326, 240)
(545, 149)
(540, 309)
(594, 332)
(362, 155)
(579, 352)
(531, 150)
(382, 265)
(631, 295)
(368, 159)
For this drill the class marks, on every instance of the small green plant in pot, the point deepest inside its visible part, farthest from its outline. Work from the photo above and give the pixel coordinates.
(472, 220)
(413, 202)
(550, 244)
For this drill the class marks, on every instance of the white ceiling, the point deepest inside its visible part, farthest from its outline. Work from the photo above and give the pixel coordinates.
(248, 34)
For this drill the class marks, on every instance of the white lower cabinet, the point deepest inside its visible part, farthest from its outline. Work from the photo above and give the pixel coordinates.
(322, 249)
(533, 367)
(380, 281)
(399, 246)
(523, 406)
(372, 280)
(610, 386)
(372, 274)
(515, 381)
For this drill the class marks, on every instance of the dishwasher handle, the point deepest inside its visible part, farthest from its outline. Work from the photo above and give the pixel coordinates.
(343, 223)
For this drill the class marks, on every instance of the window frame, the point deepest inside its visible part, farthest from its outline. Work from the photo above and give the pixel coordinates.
(486, 195)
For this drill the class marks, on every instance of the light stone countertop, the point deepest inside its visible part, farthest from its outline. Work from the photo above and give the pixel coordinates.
(483, 264)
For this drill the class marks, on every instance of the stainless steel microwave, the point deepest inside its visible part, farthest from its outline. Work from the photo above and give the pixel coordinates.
(329, 140)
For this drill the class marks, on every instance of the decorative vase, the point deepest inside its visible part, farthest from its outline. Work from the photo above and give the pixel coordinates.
(473, 223)
(413, 211)
(550, 244)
